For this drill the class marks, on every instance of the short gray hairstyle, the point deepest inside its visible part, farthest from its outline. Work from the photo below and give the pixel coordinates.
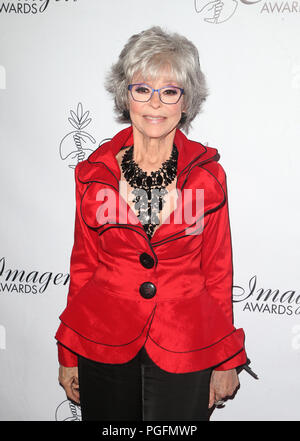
(148, 53)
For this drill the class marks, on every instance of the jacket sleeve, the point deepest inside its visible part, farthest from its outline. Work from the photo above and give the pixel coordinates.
(83, 262)
(216, 263)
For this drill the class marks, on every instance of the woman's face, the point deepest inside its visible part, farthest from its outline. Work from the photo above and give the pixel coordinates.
(154, 119)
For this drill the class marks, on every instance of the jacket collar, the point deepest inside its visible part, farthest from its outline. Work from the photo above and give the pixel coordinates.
(190, 153)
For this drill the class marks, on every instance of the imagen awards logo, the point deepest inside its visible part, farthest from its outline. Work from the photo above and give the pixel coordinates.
(28, 6)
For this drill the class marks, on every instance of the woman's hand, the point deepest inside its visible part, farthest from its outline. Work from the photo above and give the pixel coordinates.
(68, 378)
(223, 384)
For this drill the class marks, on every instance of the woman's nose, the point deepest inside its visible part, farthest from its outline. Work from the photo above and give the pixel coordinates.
(155, 100)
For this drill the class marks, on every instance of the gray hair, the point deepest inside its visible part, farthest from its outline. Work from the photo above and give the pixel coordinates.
(148, 53)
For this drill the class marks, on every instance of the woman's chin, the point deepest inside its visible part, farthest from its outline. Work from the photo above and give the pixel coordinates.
(155, 130)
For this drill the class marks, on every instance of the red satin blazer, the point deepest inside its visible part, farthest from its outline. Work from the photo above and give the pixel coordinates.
(183, 314)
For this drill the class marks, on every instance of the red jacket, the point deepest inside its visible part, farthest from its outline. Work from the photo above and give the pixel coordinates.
(183, 314)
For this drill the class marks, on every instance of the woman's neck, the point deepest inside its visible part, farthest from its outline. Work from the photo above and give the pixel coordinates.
(150, 153)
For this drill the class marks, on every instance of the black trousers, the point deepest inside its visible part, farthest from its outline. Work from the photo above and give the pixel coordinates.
(140, 391)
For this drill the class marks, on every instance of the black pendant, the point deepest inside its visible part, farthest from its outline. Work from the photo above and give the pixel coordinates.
(149, 203)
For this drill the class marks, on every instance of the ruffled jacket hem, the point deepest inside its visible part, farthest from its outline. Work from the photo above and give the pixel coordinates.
(228, 354)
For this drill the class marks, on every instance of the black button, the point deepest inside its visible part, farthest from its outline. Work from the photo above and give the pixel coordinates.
(147, 290)
(146, 260)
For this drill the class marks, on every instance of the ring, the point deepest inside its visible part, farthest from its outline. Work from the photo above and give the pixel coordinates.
(219, 402)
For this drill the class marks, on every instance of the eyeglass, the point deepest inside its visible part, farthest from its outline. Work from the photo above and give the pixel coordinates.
(143, 92)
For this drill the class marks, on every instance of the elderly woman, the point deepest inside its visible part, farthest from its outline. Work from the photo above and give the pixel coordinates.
(148, 330)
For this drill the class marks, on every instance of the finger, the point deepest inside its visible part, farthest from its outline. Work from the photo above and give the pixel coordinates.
(68, 385)
(74, 398)
(72, 393)
(75, 390)
(75, 381)
(219, 397)
(68, 390)
(211, 398)
(76, 395)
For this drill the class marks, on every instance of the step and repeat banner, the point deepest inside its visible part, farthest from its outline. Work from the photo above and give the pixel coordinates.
(54, 57)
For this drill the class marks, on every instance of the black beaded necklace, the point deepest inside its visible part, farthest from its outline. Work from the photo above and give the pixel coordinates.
(149, 190)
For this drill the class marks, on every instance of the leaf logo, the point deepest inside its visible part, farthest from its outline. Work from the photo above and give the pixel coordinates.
(78, 144)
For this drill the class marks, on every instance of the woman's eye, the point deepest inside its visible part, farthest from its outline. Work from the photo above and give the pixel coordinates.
(170, 91)
(142, 89)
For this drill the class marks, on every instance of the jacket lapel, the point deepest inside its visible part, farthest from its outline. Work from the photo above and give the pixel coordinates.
(101, 171)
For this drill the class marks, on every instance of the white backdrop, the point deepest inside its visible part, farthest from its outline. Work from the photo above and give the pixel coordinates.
(53, 59)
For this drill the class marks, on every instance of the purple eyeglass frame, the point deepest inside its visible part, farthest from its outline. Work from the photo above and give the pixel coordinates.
(154, 90)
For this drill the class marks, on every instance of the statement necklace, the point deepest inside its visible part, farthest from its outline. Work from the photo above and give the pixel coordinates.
(149, 190)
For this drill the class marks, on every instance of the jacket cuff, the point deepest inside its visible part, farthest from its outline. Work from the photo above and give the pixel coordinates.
(237, 360)
(66, 357)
